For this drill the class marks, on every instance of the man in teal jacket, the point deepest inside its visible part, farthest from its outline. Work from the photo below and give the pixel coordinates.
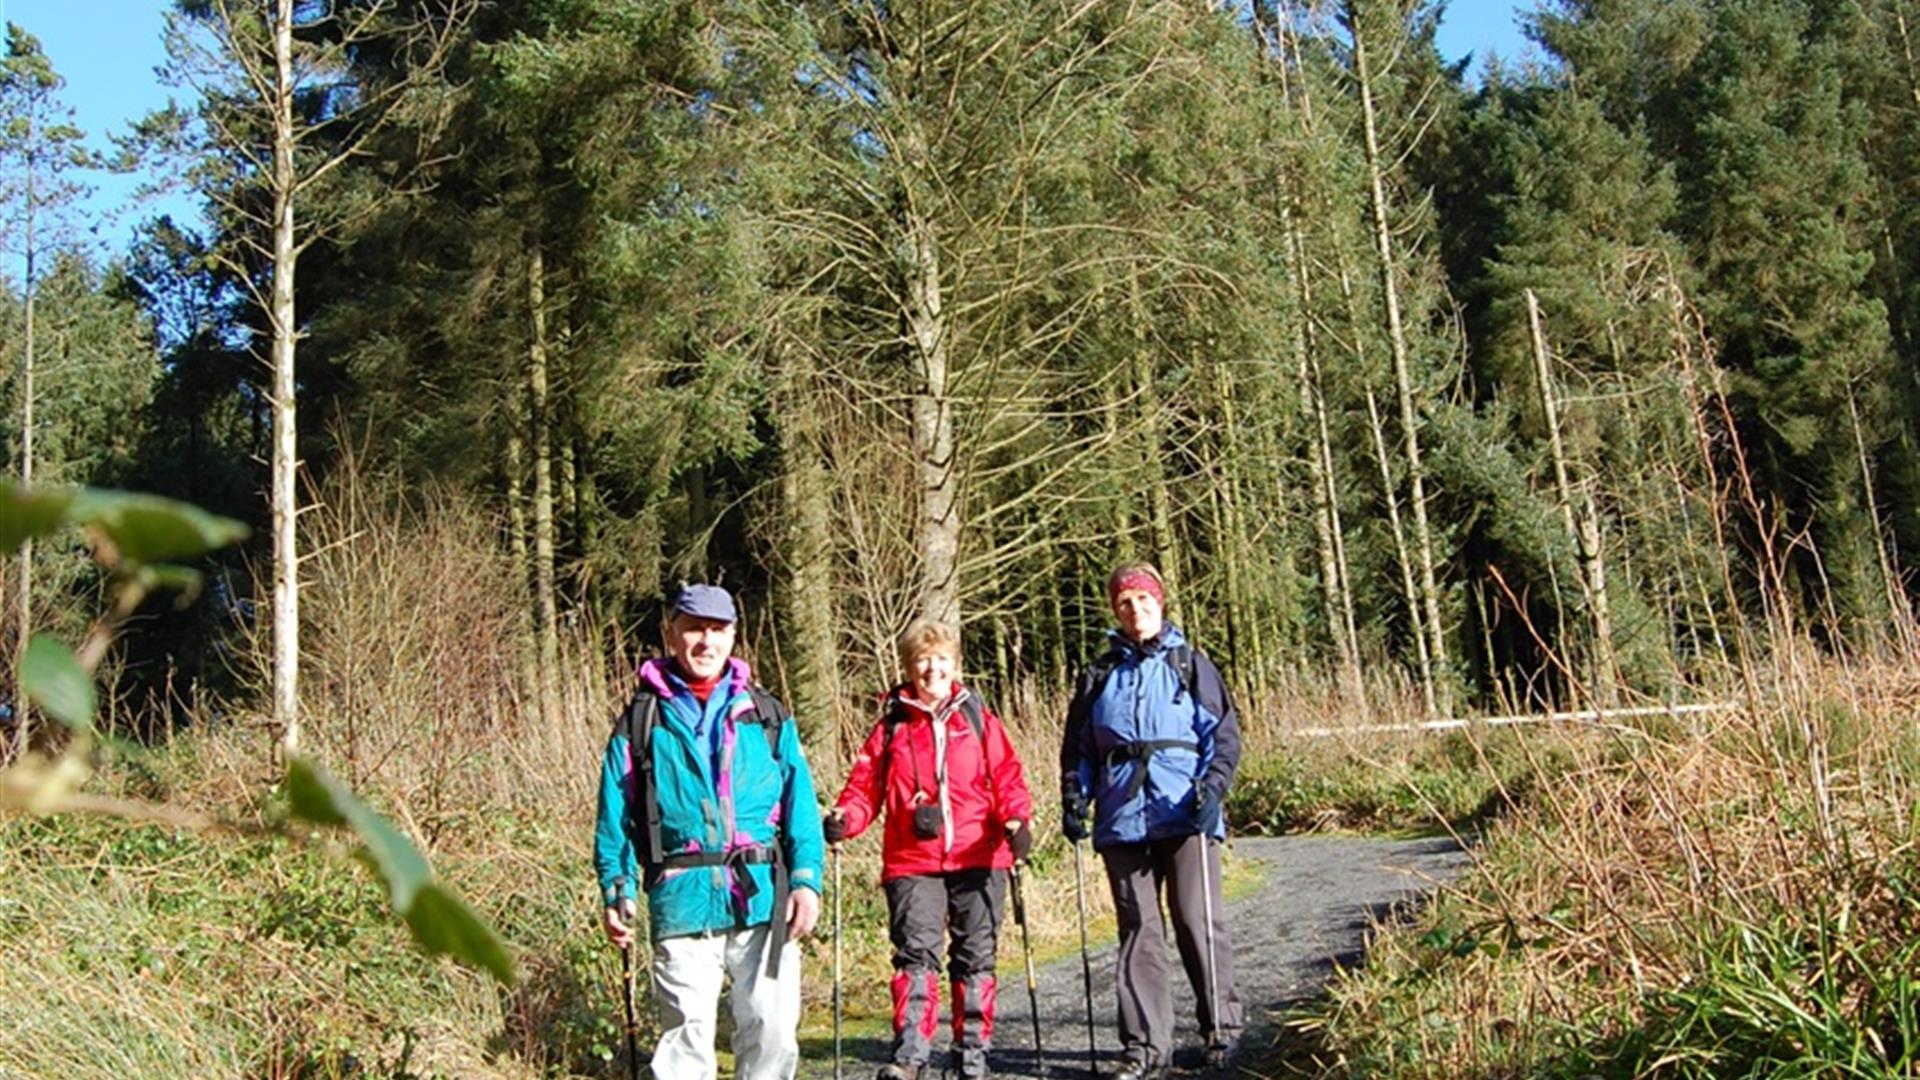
(707, 806)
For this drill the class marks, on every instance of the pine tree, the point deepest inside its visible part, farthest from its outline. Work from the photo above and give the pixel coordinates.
(41, 153)
(1582, 224)
(1775, 195)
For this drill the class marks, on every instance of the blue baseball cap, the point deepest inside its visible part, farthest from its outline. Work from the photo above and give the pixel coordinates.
(705, 602)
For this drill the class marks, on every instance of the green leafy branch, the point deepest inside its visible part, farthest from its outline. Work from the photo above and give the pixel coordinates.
(142, 541)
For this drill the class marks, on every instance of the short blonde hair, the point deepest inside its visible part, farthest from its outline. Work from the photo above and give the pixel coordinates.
(925, 636)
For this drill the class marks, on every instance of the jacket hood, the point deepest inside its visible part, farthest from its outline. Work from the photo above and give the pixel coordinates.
(659, 676)
(903, 695)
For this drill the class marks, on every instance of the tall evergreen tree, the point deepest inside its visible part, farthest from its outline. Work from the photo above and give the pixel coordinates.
(1778, 205)
(1582, 223)
(41, 155)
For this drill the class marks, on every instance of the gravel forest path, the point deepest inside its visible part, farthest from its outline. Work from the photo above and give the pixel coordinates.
(1318, 897)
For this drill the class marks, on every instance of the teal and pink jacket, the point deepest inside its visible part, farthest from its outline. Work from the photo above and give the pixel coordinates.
(722, 789)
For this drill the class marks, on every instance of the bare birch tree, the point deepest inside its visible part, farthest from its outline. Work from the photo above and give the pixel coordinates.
(285, 107)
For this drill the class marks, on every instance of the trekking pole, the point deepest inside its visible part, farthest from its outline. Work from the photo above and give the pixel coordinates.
(633, 1021)
(835, 851)
(1086, 964)
(1033, 993)
(1214, 1042)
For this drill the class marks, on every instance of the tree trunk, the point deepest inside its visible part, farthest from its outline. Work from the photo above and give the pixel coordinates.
(23, 713)
(1409, 590)
(1059, 677)
(1153, 451)
(1228, 546)
(935, 464)
(1402, 374)
(1336, 586)
(933, 436)
(1584, 534)
(586, 521)
(526, 632)
(1249, 644)
(1906, 52)
(1428, 692)
(567, 498)
(1336, 581)
(1901, 615)
(546, 610)
(807, 596)
(285, 509)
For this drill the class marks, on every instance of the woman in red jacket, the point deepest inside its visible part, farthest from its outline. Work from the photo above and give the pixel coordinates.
(940, 767)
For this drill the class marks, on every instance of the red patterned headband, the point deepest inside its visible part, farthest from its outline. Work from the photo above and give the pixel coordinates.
(1136, 579)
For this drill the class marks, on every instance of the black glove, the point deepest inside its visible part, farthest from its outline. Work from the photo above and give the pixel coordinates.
(1073, 815)
(834, 825)
(1207, 808)
(1020, 842)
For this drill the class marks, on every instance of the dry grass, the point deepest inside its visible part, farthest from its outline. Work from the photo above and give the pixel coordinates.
(225, 955)
(1600, 915)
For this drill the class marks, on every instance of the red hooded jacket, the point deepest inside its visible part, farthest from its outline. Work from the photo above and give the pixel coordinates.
(981, 788)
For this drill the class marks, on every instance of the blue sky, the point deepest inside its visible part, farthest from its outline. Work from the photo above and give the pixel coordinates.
(1483, 28)
(108, 50)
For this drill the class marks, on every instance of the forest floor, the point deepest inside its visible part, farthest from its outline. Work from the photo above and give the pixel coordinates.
(1304, 906)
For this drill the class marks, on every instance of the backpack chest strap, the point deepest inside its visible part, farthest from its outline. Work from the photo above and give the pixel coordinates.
(755, 856)
(1139, 751)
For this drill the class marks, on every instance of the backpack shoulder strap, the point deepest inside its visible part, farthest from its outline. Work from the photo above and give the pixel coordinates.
(893, 714)
(1186, 670)
(643, 713)
(975, 711)
(1100, 671)
(769, 715)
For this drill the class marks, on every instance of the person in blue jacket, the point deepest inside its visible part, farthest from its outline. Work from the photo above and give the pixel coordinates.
(707, 806)
(1150, 749)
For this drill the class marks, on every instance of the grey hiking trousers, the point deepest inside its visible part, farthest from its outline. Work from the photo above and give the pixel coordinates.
(1137, 873)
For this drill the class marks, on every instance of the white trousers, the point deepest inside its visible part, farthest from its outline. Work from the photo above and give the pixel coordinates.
(687, 974)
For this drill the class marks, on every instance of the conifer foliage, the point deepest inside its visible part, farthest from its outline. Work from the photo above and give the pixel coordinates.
(1566, 380)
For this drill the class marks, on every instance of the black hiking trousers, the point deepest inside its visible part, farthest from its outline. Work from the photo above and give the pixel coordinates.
(1137, 874)
(924, 911)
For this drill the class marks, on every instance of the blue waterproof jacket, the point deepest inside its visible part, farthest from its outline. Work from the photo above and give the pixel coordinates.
(1142, 738)
(723, 792)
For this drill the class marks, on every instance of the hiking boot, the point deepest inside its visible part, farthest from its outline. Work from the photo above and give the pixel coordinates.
(970, 1063)
(898, 1070)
